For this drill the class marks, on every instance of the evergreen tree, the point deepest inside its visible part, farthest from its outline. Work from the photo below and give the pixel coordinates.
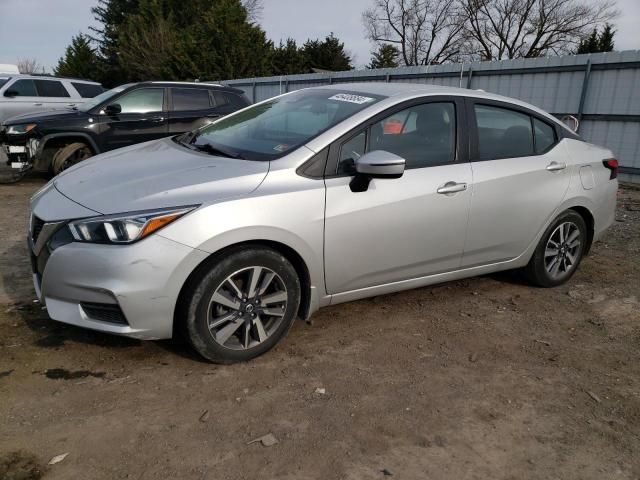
(80, 60)
(386, 57)
(287, 58)
(598, 42)
(326, 55)
(605, 42)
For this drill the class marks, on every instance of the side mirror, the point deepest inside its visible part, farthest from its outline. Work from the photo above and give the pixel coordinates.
(113, 109)
(571, 122)
(376, 164)
(10, 93)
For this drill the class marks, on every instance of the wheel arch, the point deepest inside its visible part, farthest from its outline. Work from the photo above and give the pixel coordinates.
(299, 264)
(589, 220)
(52, 142)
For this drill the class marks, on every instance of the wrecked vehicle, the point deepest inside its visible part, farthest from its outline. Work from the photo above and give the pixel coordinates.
(56, 140)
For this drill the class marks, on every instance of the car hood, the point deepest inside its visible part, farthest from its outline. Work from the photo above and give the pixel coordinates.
(48, 115)
(157, 174)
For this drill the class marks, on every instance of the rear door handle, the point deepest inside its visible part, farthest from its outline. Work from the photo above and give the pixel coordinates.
(555, 166)
(452, 187)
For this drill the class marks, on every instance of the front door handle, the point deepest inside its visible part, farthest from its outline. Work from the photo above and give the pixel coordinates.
(555, 166)
(157, 119)
(452, 187)
(37, 104)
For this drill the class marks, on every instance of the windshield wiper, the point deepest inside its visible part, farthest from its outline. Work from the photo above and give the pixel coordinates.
(208, 148)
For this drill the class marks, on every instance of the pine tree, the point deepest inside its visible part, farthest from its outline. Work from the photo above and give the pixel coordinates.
(598, 42)
(287, 59)
(326, 55)
(605, 42)
(80, 60)
(386, 57)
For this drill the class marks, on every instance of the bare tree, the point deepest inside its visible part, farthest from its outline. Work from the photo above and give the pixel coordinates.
(29, 65)
(425, 31)
(254, 9)
(532, 28)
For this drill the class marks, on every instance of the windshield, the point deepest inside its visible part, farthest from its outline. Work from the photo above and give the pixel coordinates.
(3, 80)
(97, 100)
(276, 127)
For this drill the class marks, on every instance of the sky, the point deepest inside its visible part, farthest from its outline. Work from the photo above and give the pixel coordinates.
(42, 29)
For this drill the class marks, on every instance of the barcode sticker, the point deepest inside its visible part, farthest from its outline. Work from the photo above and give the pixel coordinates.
(347, 97)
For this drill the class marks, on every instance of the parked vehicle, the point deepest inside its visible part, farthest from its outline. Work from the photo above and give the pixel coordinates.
(20, 94)
(316, 197)
(129, 114)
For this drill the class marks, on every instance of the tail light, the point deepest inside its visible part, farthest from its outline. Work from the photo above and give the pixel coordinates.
(612, 165)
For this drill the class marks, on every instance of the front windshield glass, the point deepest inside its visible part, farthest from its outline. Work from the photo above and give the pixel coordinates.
(3, 80)
(97, 100)
(276, 127)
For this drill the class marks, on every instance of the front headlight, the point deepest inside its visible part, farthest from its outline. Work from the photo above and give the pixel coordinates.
(20, 129)
(124, 228)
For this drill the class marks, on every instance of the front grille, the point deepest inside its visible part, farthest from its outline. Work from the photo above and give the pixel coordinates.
(36, 228)
(104, 312)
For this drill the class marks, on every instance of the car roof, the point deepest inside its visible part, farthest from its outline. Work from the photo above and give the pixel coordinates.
(400, 91)
(46, 77)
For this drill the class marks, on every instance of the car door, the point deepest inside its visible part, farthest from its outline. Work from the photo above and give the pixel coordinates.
(402, 228)
(142, 117)
(53, 95)
(20, 97)
(519, 179)
(189, 109)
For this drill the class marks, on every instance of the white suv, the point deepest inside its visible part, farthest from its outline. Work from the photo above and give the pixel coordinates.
(21, 94)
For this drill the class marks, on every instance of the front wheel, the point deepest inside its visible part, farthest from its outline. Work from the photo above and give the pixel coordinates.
(242, 305)
(69, 156)
(559, 252)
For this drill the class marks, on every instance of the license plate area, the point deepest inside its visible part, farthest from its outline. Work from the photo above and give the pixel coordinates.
(17, 149)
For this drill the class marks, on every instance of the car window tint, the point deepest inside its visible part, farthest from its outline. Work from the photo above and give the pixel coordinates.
(350, 151)
(24, 88)
(545, 135)
(503, 133)
(424, 135)
(221, 99)
(190, 99)
(51, 88)
(87, 90)
(142, 100)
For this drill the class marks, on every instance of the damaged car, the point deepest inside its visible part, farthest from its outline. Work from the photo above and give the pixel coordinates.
(133, 113)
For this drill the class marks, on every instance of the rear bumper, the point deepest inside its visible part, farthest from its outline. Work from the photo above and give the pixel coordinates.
(606, 212)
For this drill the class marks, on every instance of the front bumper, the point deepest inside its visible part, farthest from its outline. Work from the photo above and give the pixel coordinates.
(21, 150)
(128, 290)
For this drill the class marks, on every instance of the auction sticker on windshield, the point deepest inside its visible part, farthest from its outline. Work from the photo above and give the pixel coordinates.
(348, 97)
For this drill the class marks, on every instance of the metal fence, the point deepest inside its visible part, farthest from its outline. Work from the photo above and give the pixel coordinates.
(602, 90)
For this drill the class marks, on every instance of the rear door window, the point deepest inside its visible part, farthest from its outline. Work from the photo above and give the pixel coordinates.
(24, 88)
(503, 133)
(190, 99)
(51, 88)
(87, 90)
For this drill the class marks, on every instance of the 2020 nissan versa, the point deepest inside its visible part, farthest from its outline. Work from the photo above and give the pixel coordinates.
(316, 197)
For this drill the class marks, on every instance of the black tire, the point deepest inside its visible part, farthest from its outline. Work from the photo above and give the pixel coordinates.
(540, 267)
(197, 316)
(69, 156)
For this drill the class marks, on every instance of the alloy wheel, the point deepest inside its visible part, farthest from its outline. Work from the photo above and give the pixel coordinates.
(562, 251)
(246, 308)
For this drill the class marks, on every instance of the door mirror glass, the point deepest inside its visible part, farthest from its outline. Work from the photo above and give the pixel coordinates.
(380, 164)
(113, 109)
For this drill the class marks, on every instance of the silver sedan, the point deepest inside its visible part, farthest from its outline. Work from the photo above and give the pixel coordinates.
(316, 197)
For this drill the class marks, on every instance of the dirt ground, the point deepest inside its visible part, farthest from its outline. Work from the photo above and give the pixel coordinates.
(486, 378)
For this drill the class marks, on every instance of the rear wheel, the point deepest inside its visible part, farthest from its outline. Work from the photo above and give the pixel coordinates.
(559, 252)
(69, 156)
(242, 305)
